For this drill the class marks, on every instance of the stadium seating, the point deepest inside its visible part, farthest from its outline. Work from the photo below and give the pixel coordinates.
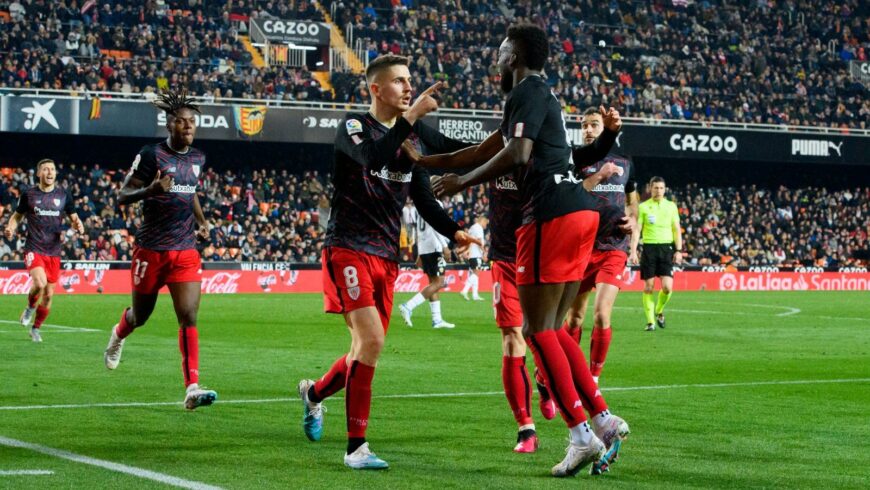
(759, 62)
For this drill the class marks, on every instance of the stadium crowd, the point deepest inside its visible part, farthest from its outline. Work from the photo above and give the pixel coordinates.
(278, 215)
(751, 61)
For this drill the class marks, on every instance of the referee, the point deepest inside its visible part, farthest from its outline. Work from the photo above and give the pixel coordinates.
(659, 222)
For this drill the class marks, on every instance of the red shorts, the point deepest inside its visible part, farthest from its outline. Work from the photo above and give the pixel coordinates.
(354, 280)
(605, 266)
(505, 299)
(50, 264)
(152, 269)
(556, 251)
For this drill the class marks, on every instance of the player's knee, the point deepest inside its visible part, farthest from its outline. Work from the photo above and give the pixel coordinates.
(513, 344)
(371, 345)
(666, 289)
(647, 289)
(188, 319)
(601, 319)
(575, 318)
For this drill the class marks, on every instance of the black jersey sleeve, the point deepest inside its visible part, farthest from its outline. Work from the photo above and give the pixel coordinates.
(427, 205)
(436, 142)
(595, 151)
(23, 205)
(70, 206)
(355, 140)
(144, 166)
(524, 113)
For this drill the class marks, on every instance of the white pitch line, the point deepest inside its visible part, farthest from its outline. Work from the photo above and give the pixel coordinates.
(109, 465)
(444, 395)
(26, 472)
(59, 327)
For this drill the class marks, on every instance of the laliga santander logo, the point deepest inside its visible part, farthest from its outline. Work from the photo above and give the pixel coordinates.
(266, 282)
(222, 283)
(728, 282)
(801, 284)
(409, 281)
(18, 283)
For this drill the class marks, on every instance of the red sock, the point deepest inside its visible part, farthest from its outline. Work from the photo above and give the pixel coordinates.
(332, 382)
(586, 387)
(123, 329)
(32, 297)
(517, 388)
(41, 314)
(552, 363)
(358, 398)
(598, 349)
(575, 332)
(188, 342)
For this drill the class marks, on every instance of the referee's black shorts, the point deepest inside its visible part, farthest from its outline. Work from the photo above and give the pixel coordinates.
(657, 260)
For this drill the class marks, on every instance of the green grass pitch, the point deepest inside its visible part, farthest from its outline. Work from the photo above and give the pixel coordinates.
(761, 390)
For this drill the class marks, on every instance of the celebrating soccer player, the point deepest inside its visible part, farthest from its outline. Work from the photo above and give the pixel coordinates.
(554, 243)
(360, 259)
(617, 206)
(165, 177)
(43, 205)
(662, 237)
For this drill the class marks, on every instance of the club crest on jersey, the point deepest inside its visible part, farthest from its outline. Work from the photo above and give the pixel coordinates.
(353, 126)
(56, 201)
(196, 170)
(353, 292)
(172, 169)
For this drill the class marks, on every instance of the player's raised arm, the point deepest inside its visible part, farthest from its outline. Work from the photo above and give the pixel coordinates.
(356, 141)
(598, 149)
(470, 157)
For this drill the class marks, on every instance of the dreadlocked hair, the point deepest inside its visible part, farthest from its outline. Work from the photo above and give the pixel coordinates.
(171, 101)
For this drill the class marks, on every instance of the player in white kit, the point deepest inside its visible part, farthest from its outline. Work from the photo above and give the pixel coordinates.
(475, 259)
(432, 247)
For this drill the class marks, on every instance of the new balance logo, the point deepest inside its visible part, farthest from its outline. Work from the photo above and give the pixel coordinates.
(815, 148)
(578, 404)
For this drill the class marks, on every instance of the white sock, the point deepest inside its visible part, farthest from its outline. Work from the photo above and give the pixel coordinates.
(581, 434)
(416, 301)
(467, 285)
(526, 427)
(602, 418)
(192, 386)
(435, 306)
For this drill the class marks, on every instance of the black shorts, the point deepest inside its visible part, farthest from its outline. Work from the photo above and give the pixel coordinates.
(475, 264)
(433, 264)
(657, 260)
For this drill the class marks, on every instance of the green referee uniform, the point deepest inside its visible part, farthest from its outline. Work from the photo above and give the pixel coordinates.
(659, 222)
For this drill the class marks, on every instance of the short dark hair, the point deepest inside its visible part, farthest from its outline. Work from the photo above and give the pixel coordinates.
(530, 44)
(42, 162)
(592, 111)
(171, 101)
(383, 62)
(656, 180)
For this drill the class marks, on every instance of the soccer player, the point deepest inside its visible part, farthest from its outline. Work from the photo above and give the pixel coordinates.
(554, 243)
(617, 207)
(165, 177)
(432, 248)
(659, 222)
(43, 206)
(360, 258)
(475, 259)
(505, 214)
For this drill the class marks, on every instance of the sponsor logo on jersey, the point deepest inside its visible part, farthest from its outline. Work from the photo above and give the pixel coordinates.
(609, 188)
(386, 174)
(183, 189)
(506, 184)
(45, 212)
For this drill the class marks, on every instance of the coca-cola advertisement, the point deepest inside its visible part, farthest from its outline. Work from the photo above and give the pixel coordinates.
(235, 281)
